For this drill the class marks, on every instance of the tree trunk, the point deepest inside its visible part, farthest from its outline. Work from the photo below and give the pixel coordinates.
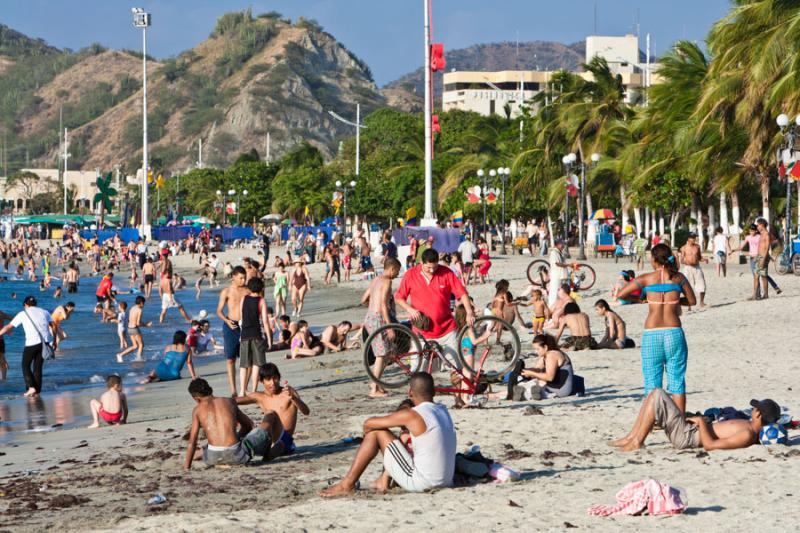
(637, 216)
(763, 181)
(661, 221)
(647, 222)
(550, 230)
(735, 212)
(623, 206)
(673, 220)
(654, 224)
(712, 221)
(695, 218)
(589, 207)
(723, 214)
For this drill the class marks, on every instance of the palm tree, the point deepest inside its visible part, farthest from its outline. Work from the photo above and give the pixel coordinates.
(104, 196)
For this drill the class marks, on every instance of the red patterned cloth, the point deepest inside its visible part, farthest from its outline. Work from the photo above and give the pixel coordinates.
(647, 495)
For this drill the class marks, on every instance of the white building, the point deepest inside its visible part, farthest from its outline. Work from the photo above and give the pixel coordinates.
(495, 93)
(83, 181)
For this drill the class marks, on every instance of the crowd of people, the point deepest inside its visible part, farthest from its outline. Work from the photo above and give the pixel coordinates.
(433, 294)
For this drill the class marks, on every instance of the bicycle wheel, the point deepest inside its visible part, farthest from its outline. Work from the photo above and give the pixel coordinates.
(583, 278)
(536, 272)
(796, 264)
(492, 344)
(402, 355)
(783, 264)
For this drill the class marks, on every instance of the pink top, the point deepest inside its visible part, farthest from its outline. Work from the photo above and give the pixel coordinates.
(752, 244)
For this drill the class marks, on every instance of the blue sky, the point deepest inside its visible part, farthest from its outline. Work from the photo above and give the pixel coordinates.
(385, 33)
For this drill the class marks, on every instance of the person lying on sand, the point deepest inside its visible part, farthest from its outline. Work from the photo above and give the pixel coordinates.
(278, 401)
(112, 406)
(334, 338)
(219, 418)
(694, 432)
(434, 440)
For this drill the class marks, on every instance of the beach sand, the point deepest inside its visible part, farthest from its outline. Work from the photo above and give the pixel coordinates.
(81, 479)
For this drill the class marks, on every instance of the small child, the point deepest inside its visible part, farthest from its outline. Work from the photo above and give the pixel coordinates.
(541, 312)
(122, 325)
(112, 406)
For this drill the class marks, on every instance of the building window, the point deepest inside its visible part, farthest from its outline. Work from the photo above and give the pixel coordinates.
(20, 203)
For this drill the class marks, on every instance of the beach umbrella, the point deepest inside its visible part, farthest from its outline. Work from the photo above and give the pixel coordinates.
(602, 214)
(287, 222)
(272, 217)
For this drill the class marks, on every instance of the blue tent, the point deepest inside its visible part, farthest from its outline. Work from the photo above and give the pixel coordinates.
(330, 221)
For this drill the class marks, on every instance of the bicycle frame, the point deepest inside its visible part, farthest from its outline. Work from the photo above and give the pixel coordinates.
(429, 355)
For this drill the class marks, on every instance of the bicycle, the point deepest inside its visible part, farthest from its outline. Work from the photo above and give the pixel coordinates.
(581, 277)
(493, 355)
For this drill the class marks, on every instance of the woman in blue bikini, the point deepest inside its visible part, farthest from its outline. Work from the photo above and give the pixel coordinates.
(663, 342)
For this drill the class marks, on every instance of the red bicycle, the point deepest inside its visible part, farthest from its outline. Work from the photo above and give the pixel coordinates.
(488, 350)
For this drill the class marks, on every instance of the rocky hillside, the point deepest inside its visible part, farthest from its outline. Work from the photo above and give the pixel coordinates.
(541, 55)
(252, 76)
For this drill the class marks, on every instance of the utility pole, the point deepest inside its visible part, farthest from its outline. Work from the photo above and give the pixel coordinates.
(269, 158)
(141, 19)
(66, 158)
(427, 219)
(200, 153)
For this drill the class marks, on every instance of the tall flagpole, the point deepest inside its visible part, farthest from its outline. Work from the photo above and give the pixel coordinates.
(428, 219)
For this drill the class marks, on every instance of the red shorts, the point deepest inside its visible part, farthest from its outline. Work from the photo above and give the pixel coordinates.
(111, 418)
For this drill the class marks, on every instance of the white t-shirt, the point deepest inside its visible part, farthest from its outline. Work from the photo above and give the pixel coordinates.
(467, 250)
(39, 318)
(720, 242)
(435, 450)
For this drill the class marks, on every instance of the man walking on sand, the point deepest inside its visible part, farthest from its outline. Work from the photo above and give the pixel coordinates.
(167, 294)
(762, 259)
(432, 433)
(690, 255)
(231, 297)
(378, 297)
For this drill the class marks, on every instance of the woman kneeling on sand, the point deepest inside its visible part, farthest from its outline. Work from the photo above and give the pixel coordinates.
(663, 342)
(551, 376)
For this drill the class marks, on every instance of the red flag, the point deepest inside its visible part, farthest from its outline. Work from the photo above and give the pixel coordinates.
(782, 170)
(795, 171)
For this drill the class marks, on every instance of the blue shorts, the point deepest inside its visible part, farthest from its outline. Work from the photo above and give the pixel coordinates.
(288, 443)
(230, 341)
(366, 263)
(664, 349)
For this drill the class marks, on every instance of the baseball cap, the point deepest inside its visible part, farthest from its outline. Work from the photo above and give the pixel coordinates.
(770, 411)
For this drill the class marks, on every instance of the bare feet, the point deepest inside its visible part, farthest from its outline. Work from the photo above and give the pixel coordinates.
(30, 392)
(619, 442)
(381, 484)
(94, 426)
(340, 489)
(631, 446)
(119, 358)
(377, 393)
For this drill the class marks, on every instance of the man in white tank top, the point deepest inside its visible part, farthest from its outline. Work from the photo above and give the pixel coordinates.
(433, 438)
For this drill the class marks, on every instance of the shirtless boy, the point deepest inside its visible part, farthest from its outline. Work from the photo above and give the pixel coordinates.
(149, 273)
(334, 338)
(694, 432)
(378, 297)
(112, 406)
(280, 404)
(578, 325)
(134, 331)
(219, 418)
(615, 337)
(541, 312)
(71, 278)
(231, 297)
(690, 255)
(762, 259)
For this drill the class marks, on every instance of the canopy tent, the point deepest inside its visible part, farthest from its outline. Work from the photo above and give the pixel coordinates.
(272, 217)
(60, 220)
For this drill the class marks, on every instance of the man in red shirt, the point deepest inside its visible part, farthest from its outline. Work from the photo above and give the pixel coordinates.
(428, 286)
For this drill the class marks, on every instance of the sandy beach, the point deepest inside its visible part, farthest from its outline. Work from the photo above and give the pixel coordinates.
(80, 479)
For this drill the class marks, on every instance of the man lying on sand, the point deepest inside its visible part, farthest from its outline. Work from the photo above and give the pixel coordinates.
(694, 431)
(281, 404)
(434, 439)
(219, 417)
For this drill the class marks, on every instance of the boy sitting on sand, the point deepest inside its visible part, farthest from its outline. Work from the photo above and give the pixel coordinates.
(219, 418)
(281, 404)
(112, 406)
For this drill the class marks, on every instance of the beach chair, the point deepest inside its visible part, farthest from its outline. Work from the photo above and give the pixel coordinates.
(605, 245)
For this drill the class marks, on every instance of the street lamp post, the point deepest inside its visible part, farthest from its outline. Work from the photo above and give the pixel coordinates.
(504, 173)
(789, 137)
(239, 207)
(221, 195)
(343, 188)
(358, 126)
(568, 161)
(142, 19)
(482, 177)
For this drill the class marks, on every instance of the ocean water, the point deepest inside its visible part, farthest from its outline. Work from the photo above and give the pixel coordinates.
(87, 356)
